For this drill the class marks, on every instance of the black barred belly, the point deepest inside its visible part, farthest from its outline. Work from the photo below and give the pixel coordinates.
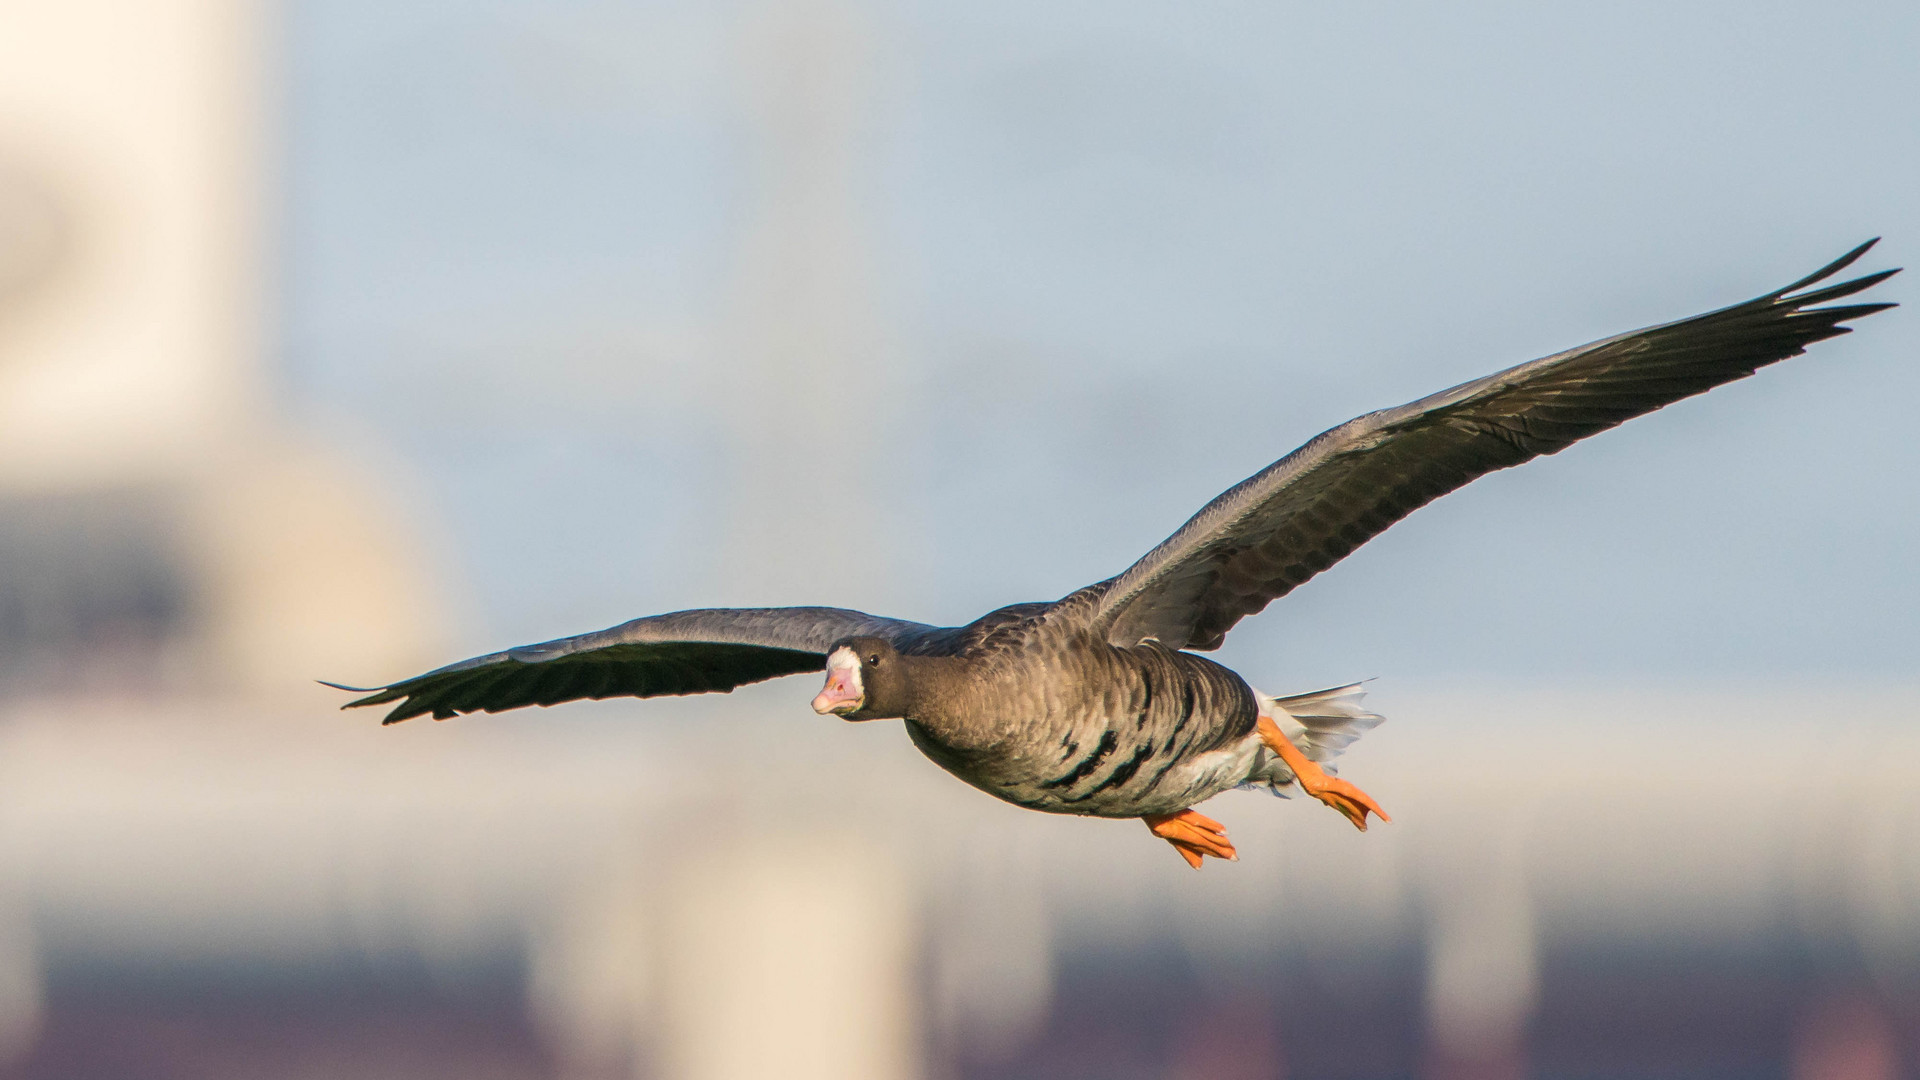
(1153, 746)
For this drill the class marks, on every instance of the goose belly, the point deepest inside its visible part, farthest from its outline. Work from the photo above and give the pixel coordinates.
(1171, 734)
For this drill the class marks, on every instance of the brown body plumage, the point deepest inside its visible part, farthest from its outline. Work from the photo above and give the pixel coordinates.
(1055, 719)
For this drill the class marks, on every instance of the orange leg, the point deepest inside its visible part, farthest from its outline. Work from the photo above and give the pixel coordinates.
(1192, 835)
(1337, 793)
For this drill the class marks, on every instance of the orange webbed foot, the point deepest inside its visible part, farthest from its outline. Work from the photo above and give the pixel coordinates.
(1353, 803)
(1193, 835)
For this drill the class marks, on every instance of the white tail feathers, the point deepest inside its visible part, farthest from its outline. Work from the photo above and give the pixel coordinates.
(1322, 724)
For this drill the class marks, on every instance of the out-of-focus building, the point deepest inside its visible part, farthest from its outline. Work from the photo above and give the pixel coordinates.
(164, 528)
(178, 560)
(206, 871)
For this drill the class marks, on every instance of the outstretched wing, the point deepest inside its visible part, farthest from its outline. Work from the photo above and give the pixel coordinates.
(1263, 537)
(686, 652)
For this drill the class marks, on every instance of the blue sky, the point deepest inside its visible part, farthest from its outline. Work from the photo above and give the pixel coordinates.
(1118, 256)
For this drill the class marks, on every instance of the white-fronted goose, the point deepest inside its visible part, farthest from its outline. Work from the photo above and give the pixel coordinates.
(1094, 703)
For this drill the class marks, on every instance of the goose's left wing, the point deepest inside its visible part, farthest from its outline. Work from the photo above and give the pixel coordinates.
(686, 652)
(1305, 512)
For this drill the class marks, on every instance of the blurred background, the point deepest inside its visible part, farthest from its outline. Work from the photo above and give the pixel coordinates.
(343, 339)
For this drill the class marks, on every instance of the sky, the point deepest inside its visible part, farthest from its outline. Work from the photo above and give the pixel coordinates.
(1100, 262)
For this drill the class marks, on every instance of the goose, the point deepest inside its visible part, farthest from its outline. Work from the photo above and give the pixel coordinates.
(1099, 703)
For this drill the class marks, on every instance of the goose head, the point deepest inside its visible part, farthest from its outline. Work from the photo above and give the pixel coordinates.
(866, 680)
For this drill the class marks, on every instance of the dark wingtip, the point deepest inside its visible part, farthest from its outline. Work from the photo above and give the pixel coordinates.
(1805, 301)
(406, 710)
(376, 695)
(1859, 311)
(1831, 268)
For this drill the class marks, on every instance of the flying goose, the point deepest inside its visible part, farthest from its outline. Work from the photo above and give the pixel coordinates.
(1097, 703)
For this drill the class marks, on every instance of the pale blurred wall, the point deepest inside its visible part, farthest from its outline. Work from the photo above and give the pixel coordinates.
(135, 389)
(184, 801)
(137, 357)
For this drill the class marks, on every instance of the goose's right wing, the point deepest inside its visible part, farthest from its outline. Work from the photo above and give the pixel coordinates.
(1305, 512)
(687, 652)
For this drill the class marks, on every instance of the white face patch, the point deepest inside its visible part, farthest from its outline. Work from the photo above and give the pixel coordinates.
(843, 693)
(844, 659)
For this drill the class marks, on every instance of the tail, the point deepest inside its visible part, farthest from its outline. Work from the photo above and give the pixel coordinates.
(1322, 724)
